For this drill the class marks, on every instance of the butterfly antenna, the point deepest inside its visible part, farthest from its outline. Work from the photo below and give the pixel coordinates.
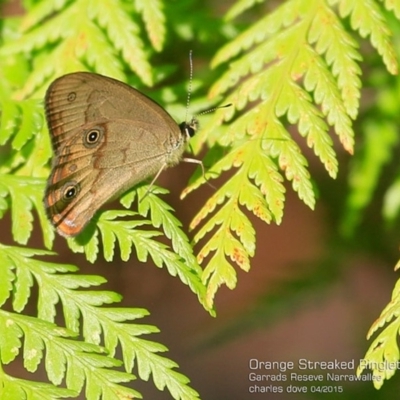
(213, 109)
(193, 124)
(194, 118)
(190, 84)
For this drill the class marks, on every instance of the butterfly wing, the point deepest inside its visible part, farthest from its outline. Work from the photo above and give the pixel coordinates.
(106, 137)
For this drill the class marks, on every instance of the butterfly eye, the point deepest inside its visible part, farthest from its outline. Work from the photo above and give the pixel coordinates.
(70, 190)
(189, 128)
(92, 137)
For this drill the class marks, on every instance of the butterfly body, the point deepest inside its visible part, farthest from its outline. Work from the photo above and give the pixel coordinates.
(106, 138)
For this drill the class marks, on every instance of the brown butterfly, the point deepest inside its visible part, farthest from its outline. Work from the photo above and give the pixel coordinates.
(106, 137)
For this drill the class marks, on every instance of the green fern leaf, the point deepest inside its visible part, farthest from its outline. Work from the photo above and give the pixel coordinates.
(393, 6)
(80, 34)
(161, 215)
(33, 351)
(81, 363)
(300, 67)
(9, 112)
(113, 230)
(239, 7)
(22, 123)
(87, 243)
(21, 389)
(22, 290)
(367, 18)
(23, 163)
(8, 276)
(24, 194)
(340, 51)
(154, 20)
(179, 262)
(31, 124)
(123, 33)
(256, 195)
(285, 15)
(127, 236)
(384, 350)
(39, 12)
(10, 339)
(163, 373)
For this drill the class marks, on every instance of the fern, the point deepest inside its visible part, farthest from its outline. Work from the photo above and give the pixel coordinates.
(78, 362)
(298, 49)
(20, 171)
(88, 363)
(79, 35)
(383, 354)
(366, 174)
(375, 153)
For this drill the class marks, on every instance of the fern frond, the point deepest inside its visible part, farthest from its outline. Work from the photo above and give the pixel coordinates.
(65, 358)
(378, 143)
(25, 193)
(367, 18)
(239, 7)
(81, 34)
(300, 68)
(23, 164)
(383, 355)
(261, 30)
(161, 215)
(8, 123)
(123, 32)
(254, 184)
(393, 6)
(22, 389)
(154, 19)
(179, 262)
(39, 12)
(20, 121)
(78, 362)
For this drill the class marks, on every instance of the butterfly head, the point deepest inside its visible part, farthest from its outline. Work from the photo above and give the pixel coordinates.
(189, 129)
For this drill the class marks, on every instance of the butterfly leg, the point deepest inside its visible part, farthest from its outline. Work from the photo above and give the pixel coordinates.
(153, 181)
(199, 162)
